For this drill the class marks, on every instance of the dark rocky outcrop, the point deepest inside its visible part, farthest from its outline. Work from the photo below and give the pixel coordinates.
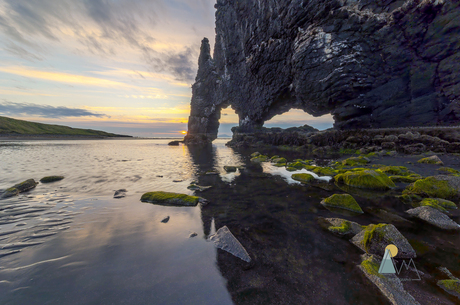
(372, 64)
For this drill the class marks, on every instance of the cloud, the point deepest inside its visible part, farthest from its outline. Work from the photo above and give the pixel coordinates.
(19, 51)
(63, 77)
(45, 111)
(102, 27)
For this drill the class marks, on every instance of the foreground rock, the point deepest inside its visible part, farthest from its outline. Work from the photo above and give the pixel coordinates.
(342, 201)
(389, 284)
(452, 285)
(368, 179)
(439, 204)
(19, 188)
(434, 217)
(342, 226)
(171, 199)
(225, 240)
(49, 179)
(304, 178)
(374, 239)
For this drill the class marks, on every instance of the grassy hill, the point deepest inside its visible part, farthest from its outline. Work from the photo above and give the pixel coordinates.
(10, 126)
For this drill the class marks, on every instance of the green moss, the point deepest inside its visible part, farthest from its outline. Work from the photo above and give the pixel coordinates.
(371, 267)
(344, 228)
(291, 169)
(371, 154)
(342, 201)
(451, 286)
(354, 161)
(405, 179)
(370, 179)
(12, 190)
(372, 232)
(279, 160)
(279, 164)
(298, 165)
(431, 187)
(449, 170)
(325, 171)
(410, 198)
(348, 151)
(171, 199)
(395, 170)
(255, 154)
(259, 158)
(429, 160)
(439, 204)
(304, 178)
(274, 157)
(49, 179)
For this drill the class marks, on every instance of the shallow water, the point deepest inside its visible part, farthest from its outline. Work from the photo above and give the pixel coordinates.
(70, 242)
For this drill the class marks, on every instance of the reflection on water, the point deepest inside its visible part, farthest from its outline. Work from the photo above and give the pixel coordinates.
(70, 242)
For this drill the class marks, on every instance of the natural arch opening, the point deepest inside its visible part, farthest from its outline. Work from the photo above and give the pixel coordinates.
(228, 119)
(297, 118)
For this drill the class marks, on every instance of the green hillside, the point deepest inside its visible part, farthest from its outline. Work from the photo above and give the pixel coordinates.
(19, 127)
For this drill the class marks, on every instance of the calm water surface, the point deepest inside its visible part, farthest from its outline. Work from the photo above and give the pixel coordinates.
(71, 242)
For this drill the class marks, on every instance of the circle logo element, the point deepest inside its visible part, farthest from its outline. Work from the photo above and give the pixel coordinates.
(393, 250)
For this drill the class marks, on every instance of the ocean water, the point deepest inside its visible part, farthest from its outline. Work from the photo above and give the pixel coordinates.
(71, 242)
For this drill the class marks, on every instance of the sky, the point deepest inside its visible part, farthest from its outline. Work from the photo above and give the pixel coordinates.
(122, 66)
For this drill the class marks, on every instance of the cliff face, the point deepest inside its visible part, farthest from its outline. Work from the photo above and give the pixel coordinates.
(370, 63)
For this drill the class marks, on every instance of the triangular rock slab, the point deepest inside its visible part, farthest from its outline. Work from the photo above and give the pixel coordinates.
(225, 240)
(434, 217)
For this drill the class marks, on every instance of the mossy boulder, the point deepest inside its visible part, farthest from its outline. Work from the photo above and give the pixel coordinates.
(370, 266)
(49, 179)
(434, 217)
(342, 201)
(304, 178)
(255, 154)
(431, 160)
(170, 199)
(368, 179)
(259, 159)
(292, 169)
(279, 160)
(355, 161)
(324, 171)
(451, 286)
(376, 237)
(435, 187)
(19, 188)
(394, 170)
(274, 157)
(449, 170)
(341, 226)
(438, 204)
(279, 164)
(297, 165)
(230, 169)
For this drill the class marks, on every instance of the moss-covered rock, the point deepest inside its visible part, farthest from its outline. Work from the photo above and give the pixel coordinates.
(369, 179)
(279, 164)
(259, 159)
(431, 160)
(10, 192)
(410, 198)
(292, 169)
(449, 170)
(394, 170)
(371, 267)
(230, 169)
(49, 179)
(341, 226)
(374, 239)
(170, 199)
(255, 154)
(19, 188)
(324, 171)
(297, 165)
(432, 187)
(279, 160)
(274, 157)
(405, 179)
(342, 201)
(450, 286)
(355, 161)
(438, 204)
(304, 178)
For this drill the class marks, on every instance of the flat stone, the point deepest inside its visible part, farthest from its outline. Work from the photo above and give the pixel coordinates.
(434, 217)
(225, 240)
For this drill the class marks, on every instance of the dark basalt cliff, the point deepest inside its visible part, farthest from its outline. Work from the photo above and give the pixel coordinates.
(370, 63)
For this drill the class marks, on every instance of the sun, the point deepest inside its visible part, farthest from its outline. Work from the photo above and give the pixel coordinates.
(183, 132)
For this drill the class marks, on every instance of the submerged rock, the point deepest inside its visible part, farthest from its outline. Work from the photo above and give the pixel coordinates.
(370, 179)
(19, 188)
(389, 284)
(375, 238)
(165, 220)
(450, 286)
(121, 193)
(175, 143)
(342, 201)
(230, 169)
(431, 160)
(225, 240)
(171, 199)
(449, 170)
(195, 187)
(192, 235)
(49, 179)
(434, 217)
